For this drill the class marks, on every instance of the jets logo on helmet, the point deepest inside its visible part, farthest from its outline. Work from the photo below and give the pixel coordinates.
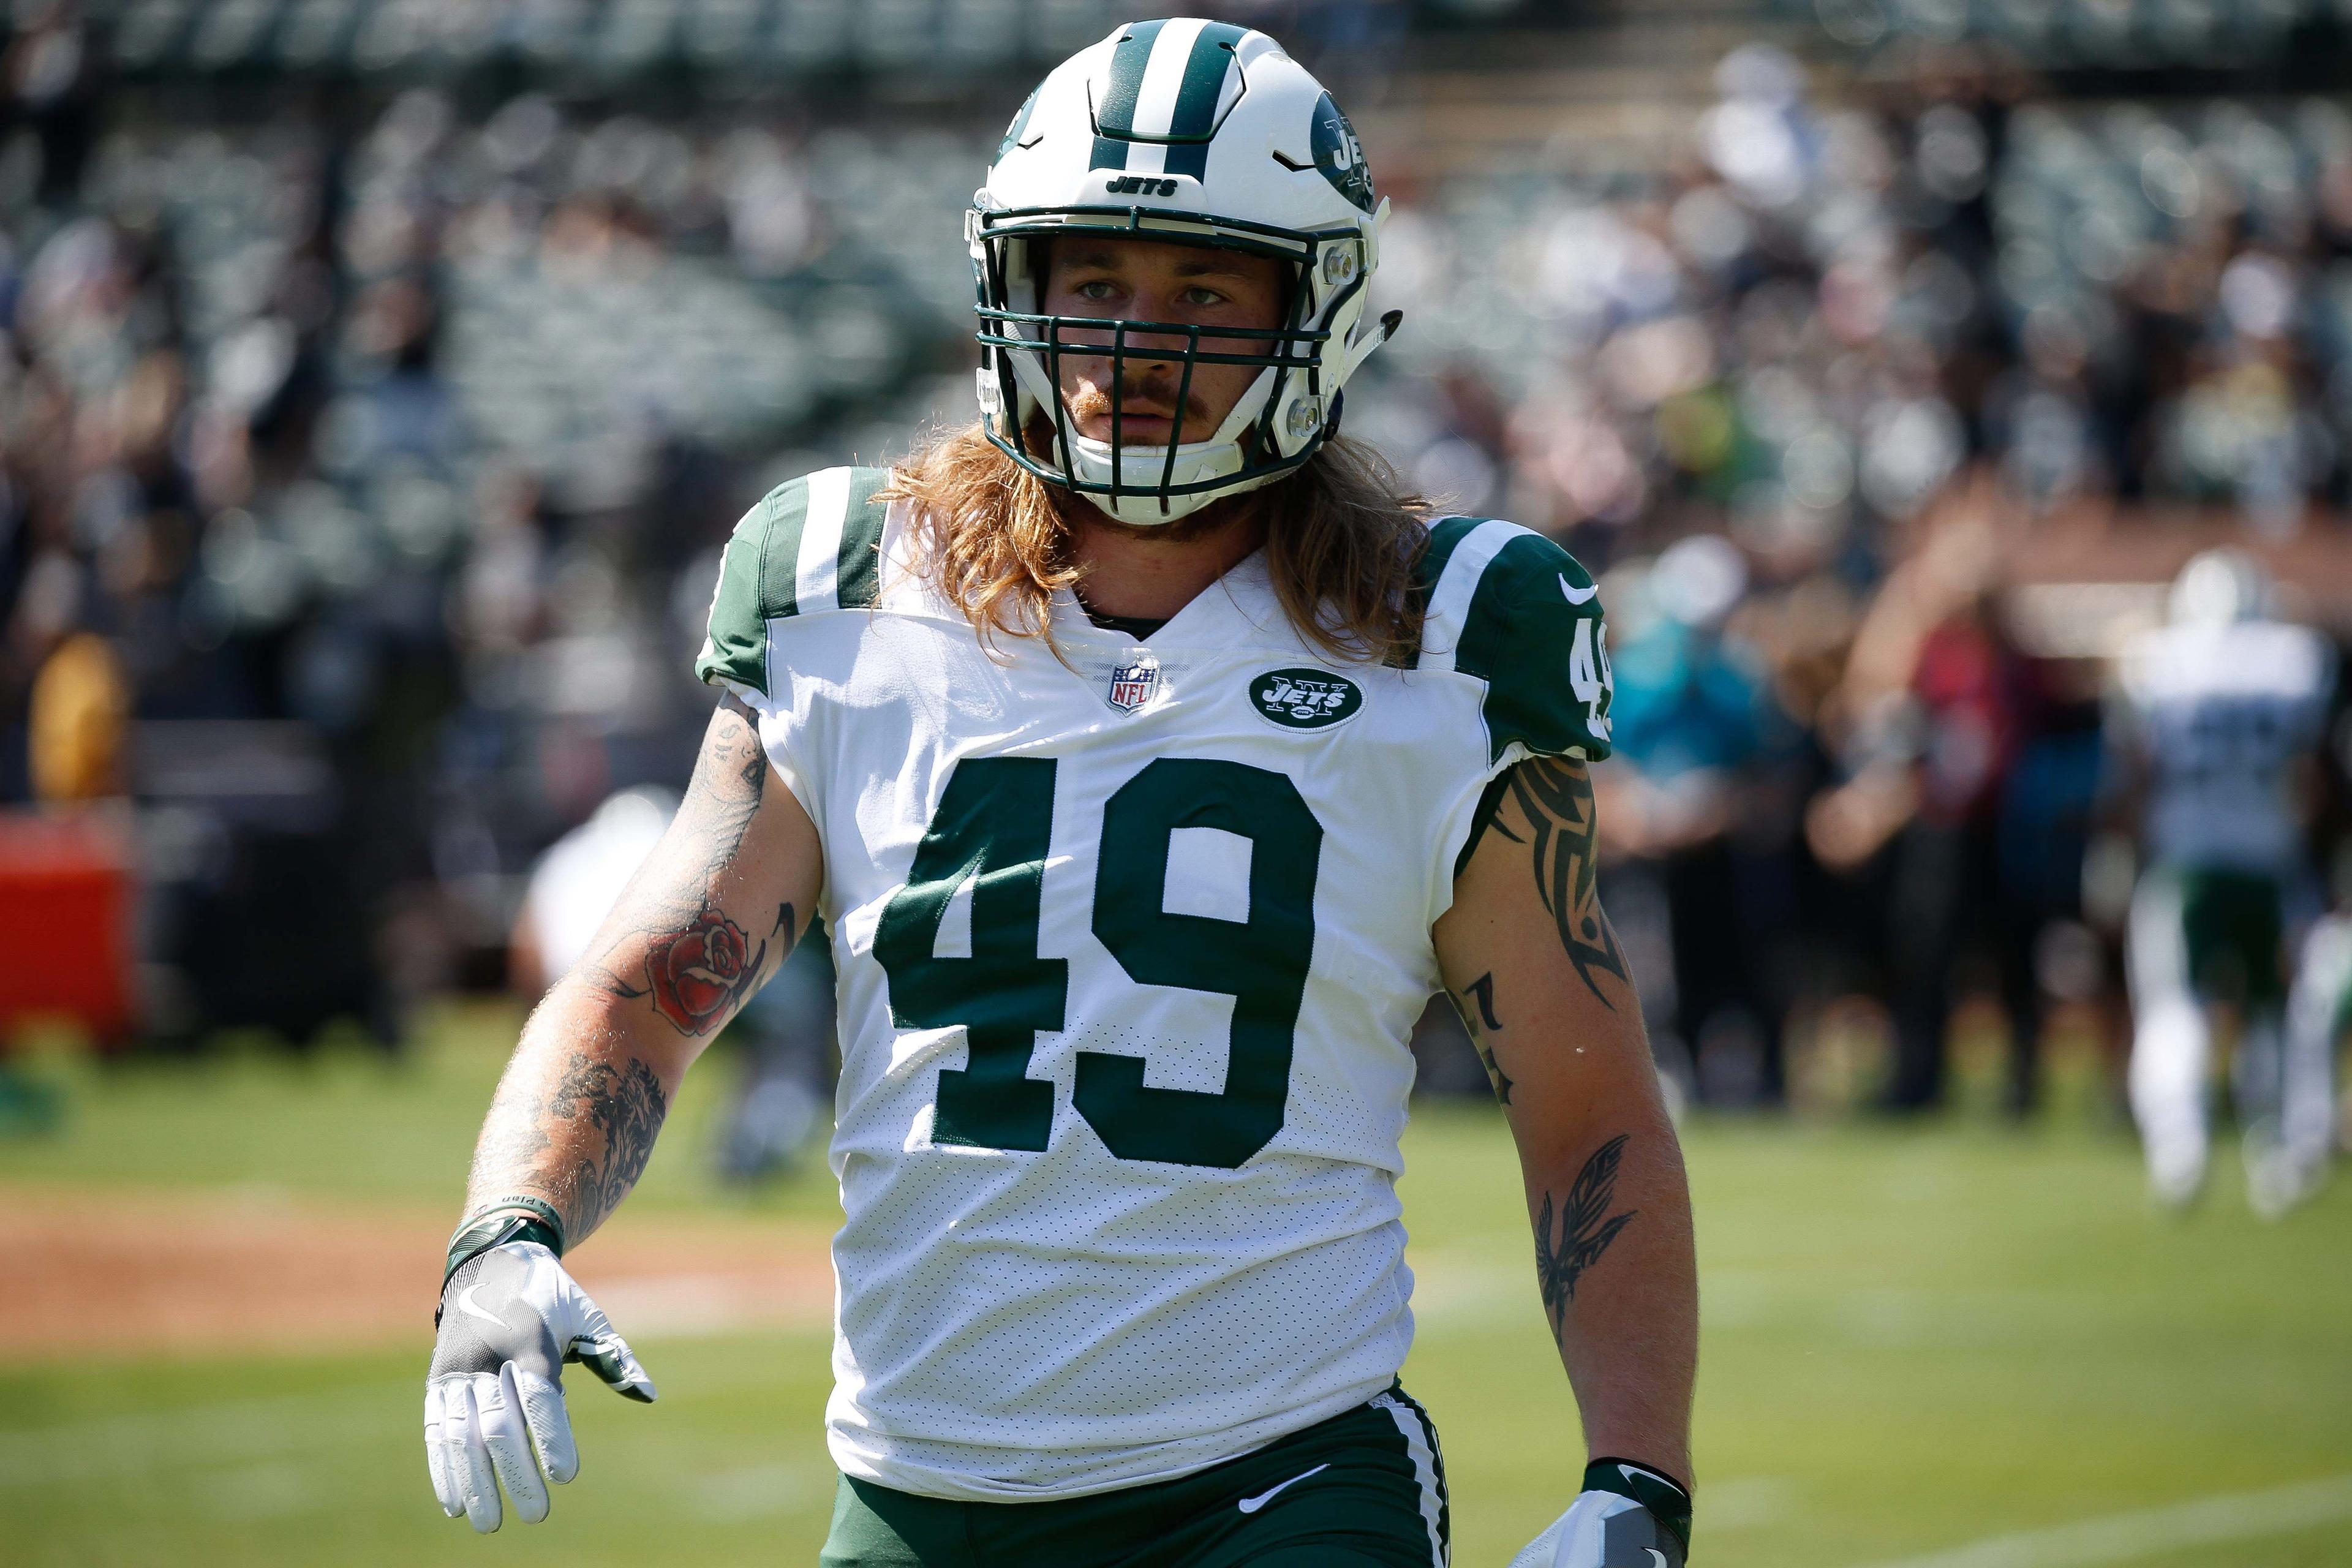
(1194, 132)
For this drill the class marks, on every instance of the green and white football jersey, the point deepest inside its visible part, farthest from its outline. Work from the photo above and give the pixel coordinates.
(2223, 713)
(1130, 950)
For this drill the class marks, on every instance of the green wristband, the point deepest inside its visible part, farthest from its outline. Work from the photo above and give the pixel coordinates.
(484, 1229)
(545, 1211)
(1666, 1499)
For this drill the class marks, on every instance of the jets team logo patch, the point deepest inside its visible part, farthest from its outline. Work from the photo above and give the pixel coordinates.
(1133, 681)
(1305, 698)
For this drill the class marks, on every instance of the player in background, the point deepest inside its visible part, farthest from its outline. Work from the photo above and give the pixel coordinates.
(2318, 1015)
(1152, 759)
(2221, 713)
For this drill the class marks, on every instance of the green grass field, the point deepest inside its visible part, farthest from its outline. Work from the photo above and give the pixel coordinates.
(1915, 1340)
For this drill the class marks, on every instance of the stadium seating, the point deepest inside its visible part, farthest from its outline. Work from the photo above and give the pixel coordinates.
(606, 40)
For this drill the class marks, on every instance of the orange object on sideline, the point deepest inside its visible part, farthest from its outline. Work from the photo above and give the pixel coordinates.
(65, 922)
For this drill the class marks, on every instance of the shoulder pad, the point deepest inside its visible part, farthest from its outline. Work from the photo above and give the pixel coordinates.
(810, 545)
(1511, 608)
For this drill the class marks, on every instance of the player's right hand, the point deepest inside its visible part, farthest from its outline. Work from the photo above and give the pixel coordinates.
(510, 1318)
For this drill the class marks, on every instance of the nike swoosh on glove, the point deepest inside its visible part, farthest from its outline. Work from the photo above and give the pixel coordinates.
(510, 1318)
(1611, 1525)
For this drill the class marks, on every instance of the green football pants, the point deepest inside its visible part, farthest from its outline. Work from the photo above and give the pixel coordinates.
(1364, 1489)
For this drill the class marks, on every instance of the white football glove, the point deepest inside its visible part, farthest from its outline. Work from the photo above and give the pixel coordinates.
(511, 1317)
(1608, 1525)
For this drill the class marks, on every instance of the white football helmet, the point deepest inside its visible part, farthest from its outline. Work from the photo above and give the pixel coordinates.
(1197, 132)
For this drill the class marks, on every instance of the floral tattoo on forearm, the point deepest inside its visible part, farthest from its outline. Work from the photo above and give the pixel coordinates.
(625, 1103)
(580, 1144)
(1586, 1229)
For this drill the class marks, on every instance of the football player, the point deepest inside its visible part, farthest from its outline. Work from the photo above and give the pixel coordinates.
(2222, 709)
(1152, 759)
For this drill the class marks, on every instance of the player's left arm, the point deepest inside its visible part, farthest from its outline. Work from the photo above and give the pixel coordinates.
(1533, 966)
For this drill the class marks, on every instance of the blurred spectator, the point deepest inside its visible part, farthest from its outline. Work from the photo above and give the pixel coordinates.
(78, 705)
(1936, 705)
(1685, 814)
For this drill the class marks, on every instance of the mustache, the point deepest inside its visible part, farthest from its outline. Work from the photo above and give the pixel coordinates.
(1136, 401)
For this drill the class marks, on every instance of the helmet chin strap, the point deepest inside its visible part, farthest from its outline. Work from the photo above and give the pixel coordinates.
(1141, 504)
(1144, 509)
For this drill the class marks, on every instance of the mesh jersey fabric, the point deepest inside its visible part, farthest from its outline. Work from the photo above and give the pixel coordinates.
(1125, 988)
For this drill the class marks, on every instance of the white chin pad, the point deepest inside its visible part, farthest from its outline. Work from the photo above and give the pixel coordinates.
(1143, 468)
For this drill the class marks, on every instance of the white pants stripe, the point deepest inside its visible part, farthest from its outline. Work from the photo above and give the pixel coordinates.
(1418, 1442)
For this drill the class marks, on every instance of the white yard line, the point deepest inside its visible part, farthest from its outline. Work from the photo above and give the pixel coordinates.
(2126, 1537)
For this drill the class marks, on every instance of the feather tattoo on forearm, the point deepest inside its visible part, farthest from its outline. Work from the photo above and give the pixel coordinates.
(1586, 1229)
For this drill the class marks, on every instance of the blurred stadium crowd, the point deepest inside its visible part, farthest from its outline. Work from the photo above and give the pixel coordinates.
(377, 381)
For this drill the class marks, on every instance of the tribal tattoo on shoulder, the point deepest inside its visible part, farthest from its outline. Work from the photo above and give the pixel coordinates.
(1586, 1227)
(1555, 796)
(696, 964)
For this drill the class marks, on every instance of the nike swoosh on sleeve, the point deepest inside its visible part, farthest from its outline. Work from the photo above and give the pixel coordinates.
(1252, 1504)
(1575, 596)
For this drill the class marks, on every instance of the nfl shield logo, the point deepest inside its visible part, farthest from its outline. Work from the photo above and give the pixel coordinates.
(1133, 681)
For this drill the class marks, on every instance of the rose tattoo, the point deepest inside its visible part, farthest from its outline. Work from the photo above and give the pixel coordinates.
(697, 975)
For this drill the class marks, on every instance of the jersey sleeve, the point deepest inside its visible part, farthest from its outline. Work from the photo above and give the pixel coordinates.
(809, 545)
(1510, 607)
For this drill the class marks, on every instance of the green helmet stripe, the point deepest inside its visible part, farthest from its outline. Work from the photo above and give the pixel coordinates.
(1115, 115)
(1195, 120)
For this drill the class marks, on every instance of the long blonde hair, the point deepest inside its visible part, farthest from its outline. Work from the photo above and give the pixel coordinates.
(1342, 539)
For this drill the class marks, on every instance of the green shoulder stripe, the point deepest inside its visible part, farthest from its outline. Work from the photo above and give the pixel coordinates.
(1445, 534)
(1511, 608)
(810, 545)
(858, 562)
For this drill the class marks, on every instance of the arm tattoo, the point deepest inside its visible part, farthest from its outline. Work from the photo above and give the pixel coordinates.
(626, 1105)
(1586, 1229)
(696, 964)
(1556, 798)
(1482, 992)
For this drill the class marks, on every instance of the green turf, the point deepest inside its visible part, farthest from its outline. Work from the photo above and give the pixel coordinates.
(1913, 1340)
